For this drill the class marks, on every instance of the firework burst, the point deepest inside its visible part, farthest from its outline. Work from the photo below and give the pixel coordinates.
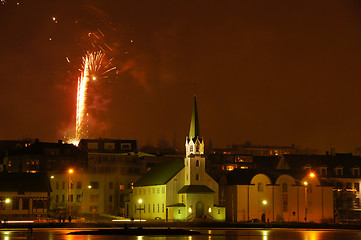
(94, 67)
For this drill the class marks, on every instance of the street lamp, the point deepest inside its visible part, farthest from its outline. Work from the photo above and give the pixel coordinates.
(306, 197)
(264, 202)
(70, 171)
(140, 209)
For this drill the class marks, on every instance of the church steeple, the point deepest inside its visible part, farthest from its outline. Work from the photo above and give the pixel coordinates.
(194, 143)
(194, 128)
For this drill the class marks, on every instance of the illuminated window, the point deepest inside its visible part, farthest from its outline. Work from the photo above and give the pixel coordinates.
(191, 148)
(121, 186)
(229, 168)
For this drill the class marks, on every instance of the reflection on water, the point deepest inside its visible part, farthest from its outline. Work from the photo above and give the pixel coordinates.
(213, 234)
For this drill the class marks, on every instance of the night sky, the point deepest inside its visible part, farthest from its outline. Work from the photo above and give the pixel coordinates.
(269, 72)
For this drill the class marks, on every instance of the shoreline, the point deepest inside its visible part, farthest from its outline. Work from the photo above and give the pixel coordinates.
(177, 225)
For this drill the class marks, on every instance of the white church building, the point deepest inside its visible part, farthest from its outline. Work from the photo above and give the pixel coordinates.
(179, 190)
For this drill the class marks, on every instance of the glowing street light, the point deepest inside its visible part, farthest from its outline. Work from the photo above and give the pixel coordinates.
(70, 171)
(312, 175)
(7, 200)
(264, 202)
(140, 209)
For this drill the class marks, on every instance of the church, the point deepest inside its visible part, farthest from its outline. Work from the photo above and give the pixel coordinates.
(179, 190)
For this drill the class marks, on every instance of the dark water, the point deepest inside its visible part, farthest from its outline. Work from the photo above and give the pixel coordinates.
(214, 234)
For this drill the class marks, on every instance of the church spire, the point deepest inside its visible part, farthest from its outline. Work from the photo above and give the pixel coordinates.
(194, 128)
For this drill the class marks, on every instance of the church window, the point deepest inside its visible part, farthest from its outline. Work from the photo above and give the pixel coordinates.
(163, 207)
(153, 207)
(260, 187)
(179, 212)
(191, 148)
(197, 163)
(182, 198)
(149, 208)
(158, 207)
(284, 187)
(197, 176)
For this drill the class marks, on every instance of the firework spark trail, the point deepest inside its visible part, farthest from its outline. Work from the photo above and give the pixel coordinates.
(81, 97)
(94, 67)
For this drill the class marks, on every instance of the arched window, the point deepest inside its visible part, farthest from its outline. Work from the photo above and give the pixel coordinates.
(197, 163)
(284, 187)
(197, 176)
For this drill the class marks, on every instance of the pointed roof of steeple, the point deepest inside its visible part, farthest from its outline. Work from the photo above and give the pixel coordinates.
(194, 128)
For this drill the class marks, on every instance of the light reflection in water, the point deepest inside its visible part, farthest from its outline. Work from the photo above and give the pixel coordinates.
(312, 235)
(140, 238)
(265, 234)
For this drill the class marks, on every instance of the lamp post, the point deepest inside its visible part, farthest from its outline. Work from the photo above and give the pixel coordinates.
(264, 202)
(306, 200)
(140, 209)
(70, 171)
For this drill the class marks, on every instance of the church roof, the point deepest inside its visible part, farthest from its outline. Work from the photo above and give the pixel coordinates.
(161, 174)
(194, 128)
(195, 189)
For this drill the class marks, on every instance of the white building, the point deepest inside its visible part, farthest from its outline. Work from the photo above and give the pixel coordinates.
(179, 190)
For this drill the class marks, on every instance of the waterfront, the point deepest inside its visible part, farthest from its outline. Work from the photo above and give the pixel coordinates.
(206, 234)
